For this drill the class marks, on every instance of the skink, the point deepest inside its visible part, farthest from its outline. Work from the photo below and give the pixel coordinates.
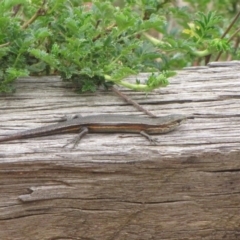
(105, 124)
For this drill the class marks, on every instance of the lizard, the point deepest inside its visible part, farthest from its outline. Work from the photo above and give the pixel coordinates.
(105, 123)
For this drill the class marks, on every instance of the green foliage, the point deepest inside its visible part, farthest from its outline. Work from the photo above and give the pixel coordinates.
(89, 47)
(205, 36)
(105, 42)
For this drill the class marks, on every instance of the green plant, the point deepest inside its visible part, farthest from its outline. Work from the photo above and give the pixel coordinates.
(101, 45)
(92, 43)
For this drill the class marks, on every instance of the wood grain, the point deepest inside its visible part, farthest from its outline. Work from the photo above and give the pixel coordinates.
(119, 186)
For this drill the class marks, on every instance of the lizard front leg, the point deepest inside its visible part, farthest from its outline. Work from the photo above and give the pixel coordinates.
(76, 140)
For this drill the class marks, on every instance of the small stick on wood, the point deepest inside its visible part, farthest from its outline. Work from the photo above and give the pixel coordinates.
(130, 101)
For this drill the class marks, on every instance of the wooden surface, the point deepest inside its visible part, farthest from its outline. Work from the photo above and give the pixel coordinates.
(119, 186)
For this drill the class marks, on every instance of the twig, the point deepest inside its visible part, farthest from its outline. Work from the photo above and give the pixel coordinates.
(40, 12)
(130, 101)
(4, 45)
(227, 30)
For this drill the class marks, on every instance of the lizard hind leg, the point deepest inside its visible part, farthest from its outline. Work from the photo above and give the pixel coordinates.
(149, 138)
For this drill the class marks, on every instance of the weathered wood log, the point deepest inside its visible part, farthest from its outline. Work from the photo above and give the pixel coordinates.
(119, 186)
